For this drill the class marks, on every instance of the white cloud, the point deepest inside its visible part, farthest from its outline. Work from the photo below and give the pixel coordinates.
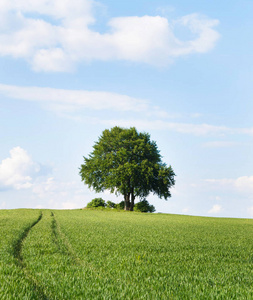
(18, 170)
(202, 27)
(243, 184)
(58, 194)
(55, 60)
(216, 209)
(50, 187)
(55, 35)
(187, 128)
(69, 101)
(75, 99)
(220, 144)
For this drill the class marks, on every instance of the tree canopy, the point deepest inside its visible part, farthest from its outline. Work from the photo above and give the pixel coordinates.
(127, 162)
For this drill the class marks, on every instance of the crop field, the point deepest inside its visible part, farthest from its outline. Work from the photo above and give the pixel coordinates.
(88, 254)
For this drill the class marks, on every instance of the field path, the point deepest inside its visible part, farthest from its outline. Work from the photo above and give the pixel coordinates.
(65, 246)
(17, 246)
(49, 259)
(17, 253)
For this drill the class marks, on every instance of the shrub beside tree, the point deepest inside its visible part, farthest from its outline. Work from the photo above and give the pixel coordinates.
(96, 202)
(144, 206)
(110, 204)
(120, 205)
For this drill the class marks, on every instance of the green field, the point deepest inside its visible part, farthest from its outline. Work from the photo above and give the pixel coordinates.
(88, 254)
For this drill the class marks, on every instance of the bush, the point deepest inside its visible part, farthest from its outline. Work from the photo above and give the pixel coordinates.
(120, 205)
(110, 204)
(144, 206)
(96, 202)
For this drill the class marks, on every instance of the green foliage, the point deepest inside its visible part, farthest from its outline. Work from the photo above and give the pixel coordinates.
(84, 254)
(144, 206)
(127, 162)
(110, 204)
(120, 205)
(96, 202)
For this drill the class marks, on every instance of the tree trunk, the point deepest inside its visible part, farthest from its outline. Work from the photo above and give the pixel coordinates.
(132, 200)
(127, 202)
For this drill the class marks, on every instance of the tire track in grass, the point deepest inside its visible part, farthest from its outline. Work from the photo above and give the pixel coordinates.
(65, 246)
(80, 270)
(17, 253)
(73, 272)
(61, 241)
(17, 245)
(58, 241)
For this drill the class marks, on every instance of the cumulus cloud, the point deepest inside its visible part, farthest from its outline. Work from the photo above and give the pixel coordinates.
(55, 35)
(203, 28)
(216, 209)
(18, 170)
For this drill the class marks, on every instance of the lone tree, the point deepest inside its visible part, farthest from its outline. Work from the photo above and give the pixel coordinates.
(127, 162)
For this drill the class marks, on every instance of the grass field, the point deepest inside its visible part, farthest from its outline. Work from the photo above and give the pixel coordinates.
(85, 254)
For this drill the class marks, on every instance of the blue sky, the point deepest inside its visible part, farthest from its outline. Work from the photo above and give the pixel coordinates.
(180, 70)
